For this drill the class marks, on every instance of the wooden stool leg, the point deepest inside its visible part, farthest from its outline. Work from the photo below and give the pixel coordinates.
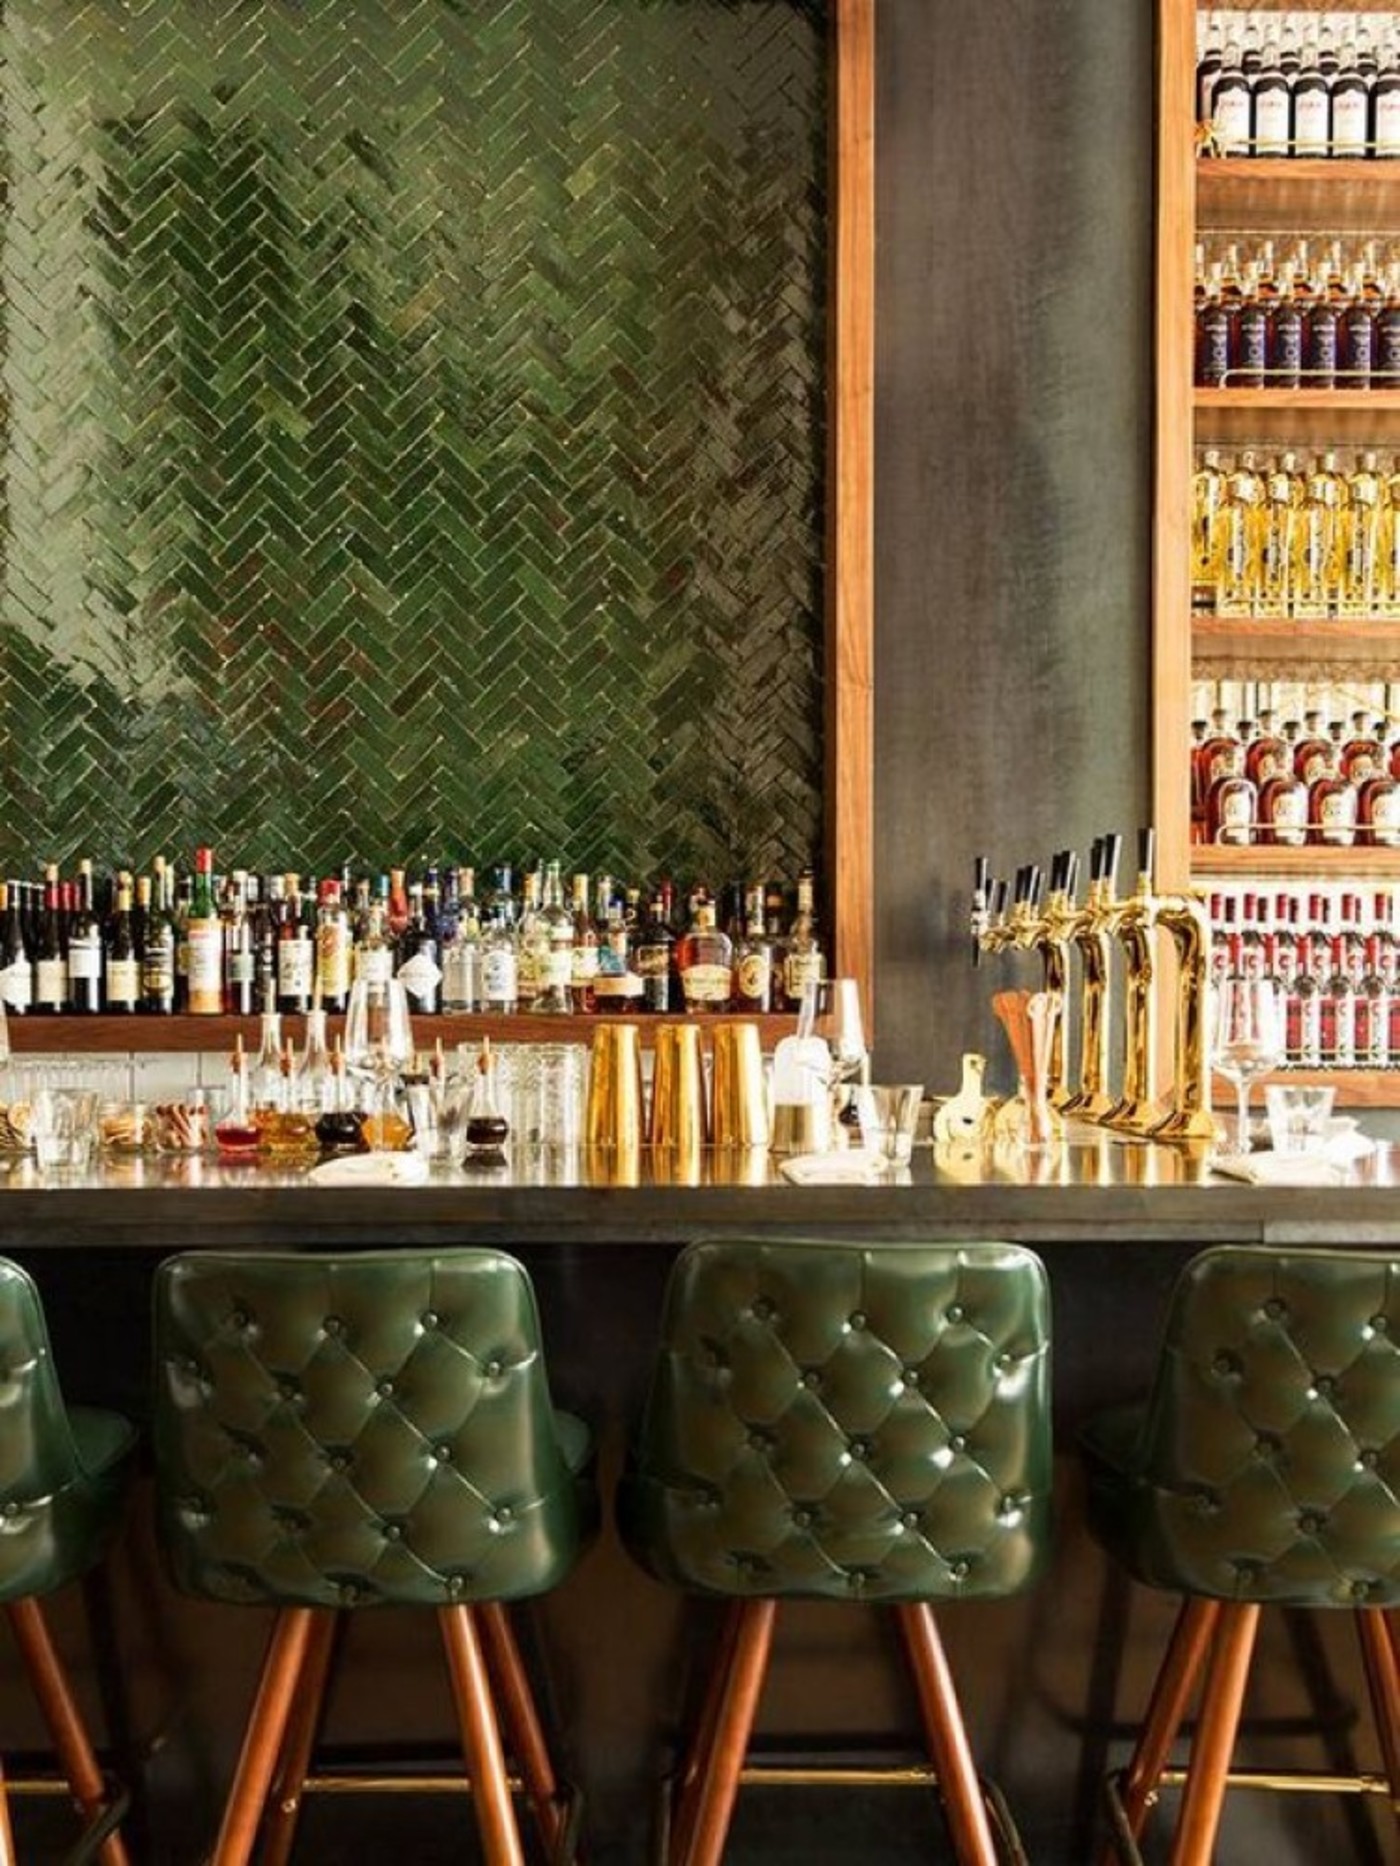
(1214, 1744)
(8, 1856)
(1181, 1668)
(521, 1719)
(61, 1714)
(481, 1737)
(958, 1786)
(720, 1767)
(286, 1653)
(299, 1739)
(1383, 1681)
(687, 1791)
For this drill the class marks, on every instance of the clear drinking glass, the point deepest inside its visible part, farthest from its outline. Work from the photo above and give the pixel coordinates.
(1247, 1034)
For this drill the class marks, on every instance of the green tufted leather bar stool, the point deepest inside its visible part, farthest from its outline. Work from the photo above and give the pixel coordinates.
(64, 1474)
(1263, 1470)
(849, 1423)
(340, 1433)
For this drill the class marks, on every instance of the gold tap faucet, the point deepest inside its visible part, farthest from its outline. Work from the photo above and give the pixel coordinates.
(1090, 932)
(1132, 923)
(1056, 932)
(1184, 918)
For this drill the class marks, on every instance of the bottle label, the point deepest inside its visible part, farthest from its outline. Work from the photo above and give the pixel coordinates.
(800, 970)
(1385, 818)
(459, 969)
(1288, 816)
(123, 981)
(500, 976)
(586, 965)
(618, 987)
(421, 975)
(1254, 334)
(753, 977)
(333, 959)
(17, 985)
(158, 972)
(556, 968)
(1288, 344)
(1349, 123)
(1271, 121)
(1236, 815)
(653, 961)
(241, 965)
(1336, 816)
(706, 984)
(206, 973)
(51, 981)
(374, 964)
(1230, 110)
(85, 958)
(1312, 122)
(296, 968)
(1388, 123)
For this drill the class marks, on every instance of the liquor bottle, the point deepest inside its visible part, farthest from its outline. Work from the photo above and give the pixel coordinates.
(204, 934)
(1215, 332)
(1311, 752)
(1278, 550)
(1322, 354)
(157, 944)
(1242, 564)
(1208, 68)
(397, 910)
(1385, 104)
(1356, 336)
(583, 981)
(531, 939)
(1372, 1009)
(1266, 752)
(1351, 108)
(1362, 541)
(1232, 803)
(265, 1081)
(1271, 105)
(461, 953)
(1252, 327)
(240, 948)
(1287, 335)
(296, 952)
(618, 987)
(1362, 755)
(554, 948)
(331, 990)
(16, 965)
(122, 965)
(315, 1077)
(1378, 810)
(182, 886)
(1332, 801)
(1312, 107)
(374, 956)
(1231, 103)
(1207, 530)
(418, 970)
(500, 977)
(50, 956)
(1283, 807)
(705, 962)
(804, 962)
(1337, 1017)
(85, 958)
(753, 960)
(1317, 573)
(653, 955)
(1303, 1012)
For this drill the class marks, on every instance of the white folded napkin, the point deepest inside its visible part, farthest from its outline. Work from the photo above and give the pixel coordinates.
(371, 1169)
(1327, 1165)
(851, 1168)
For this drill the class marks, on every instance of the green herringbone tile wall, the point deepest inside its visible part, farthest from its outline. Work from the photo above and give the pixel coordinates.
(413, 430)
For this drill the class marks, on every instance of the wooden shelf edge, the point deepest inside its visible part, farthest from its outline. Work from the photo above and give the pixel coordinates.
(1337, 400)
(1225, 172)
(49, 1036)
(1322, 864)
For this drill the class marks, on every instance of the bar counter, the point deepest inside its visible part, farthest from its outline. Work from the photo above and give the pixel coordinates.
(1047, 1680)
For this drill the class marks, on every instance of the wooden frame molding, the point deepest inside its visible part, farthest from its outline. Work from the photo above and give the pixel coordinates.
(850, 616)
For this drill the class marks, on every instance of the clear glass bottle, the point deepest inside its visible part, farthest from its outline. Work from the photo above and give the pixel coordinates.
(1283, 491)
(804, 961)
(1317, 575)
(500, 965)
(487, 1129)
(1242, 563)
(531, 940)
(1207, 530)
(554, 948)
(461, 953)
(583, 980)
(753, 960)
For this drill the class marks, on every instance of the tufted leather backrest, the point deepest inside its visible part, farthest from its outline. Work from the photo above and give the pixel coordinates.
(341, 1431)
(863, 1422)
(1269, 1463)
(51, 1526)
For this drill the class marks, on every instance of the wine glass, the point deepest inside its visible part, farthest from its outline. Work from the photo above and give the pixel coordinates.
(1247, 1033)
(379, 1046)
(831, 1013)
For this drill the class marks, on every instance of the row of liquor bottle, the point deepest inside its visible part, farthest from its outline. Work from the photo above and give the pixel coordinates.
(1302, 782)
(1275, 537)
(1330, 321)
(245, 943)
(1336, 959)
(1304, 84)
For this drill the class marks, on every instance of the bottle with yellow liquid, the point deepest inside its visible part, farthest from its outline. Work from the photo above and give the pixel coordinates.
(1283, 497)
(1242, 564)
(1317, 570)
(1207, 530)
(1363, 542)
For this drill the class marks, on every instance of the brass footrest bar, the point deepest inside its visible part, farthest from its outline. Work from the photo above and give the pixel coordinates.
(1275, 1781)
(52, 1788)
(372, 1782)
(853, 1775)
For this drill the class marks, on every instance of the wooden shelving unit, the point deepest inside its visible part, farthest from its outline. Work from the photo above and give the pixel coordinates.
(1270, 197)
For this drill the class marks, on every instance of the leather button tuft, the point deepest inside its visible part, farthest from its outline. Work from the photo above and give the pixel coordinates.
(429, 1318)
(504, 1516)
(812, 1377)
(958, 1442)
(1380, 1324)
(1312, 1522)
(1324, 1386)
(385, 1389)
(802, 1519)
(911, 1519)
(1360, 1590)
(241, 1318)
(455, 1584)
(332, 1326)
(288, 1389)
(758, 1441)
(860, 1449)
(1005, 1362)
(1275, 1308)
(12, 1508)
(442, 1454)
(912, 1376)
(1224, 1365)
(954, 1313)
(960, 1569)
(493, 1370)
(393, 1532)
(1368, 1459)
(763, 1309)
(339, 1461)
(858, 1319)
(349, 1593)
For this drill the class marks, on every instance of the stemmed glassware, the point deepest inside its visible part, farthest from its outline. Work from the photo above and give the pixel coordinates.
(379, 1047)
(1247, 1039)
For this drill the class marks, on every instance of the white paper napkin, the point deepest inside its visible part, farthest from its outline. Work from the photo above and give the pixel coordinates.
(372, 1169)
(1328, 1166)
(851, 1168)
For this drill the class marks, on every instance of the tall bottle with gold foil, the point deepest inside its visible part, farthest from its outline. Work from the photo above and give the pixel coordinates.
(1241, 567)
(1317, 577)
(1390, 540)
(1363, 543)
(1207, 530)
(1283, 497)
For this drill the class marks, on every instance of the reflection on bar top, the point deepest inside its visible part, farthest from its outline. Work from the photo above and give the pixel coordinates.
(1100, 1162)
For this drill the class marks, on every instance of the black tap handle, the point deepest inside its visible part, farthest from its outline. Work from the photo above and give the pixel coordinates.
(1147, 851)
(1112, 853)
